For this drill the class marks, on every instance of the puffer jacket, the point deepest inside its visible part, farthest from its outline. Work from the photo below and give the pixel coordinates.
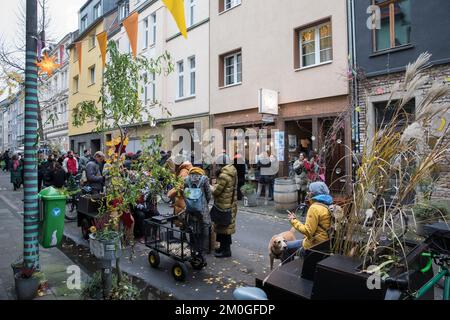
(176, 195)
(223, 197)
(318, 222)
(301, 180)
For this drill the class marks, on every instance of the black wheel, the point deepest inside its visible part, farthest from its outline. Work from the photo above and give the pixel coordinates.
(164, 197)
(179, 271)
(153, 259)
(71, 213)
(198, 263)
(85, 226)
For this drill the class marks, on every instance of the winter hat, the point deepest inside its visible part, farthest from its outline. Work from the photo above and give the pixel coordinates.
(318, 188)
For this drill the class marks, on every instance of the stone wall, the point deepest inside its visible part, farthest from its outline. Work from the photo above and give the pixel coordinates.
(379, 88)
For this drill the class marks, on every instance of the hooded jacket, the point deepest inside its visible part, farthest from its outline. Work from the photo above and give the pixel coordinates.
(223, 197)
(318, 218)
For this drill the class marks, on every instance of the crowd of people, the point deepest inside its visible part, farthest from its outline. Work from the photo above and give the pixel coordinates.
(191, 202)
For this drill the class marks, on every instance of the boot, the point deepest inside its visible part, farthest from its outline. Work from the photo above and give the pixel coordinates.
(225, 253)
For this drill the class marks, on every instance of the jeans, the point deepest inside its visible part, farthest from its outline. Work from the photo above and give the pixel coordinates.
(292, 248)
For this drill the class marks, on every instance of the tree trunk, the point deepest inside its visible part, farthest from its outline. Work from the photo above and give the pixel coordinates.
(40, 124)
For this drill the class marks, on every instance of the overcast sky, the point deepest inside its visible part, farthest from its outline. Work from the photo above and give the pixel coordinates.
(63, 13)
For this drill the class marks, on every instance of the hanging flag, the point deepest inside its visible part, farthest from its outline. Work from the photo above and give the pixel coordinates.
(79, 48)
(131, 27)
(102, 39)
(176, 7)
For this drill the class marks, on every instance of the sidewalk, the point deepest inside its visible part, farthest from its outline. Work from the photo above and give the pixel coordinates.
(267, 210)
(53, 262)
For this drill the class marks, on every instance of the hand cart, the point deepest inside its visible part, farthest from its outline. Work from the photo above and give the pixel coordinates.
(162, 237)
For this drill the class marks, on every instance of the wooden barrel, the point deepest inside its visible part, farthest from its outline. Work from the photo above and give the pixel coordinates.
(285, 194)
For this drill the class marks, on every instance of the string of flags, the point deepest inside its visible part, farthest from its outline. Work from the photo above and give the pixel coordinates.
(176, 7)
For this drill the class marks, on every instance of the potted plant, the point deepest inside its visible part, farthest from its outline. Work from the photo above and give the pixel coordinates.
(26, 283)
(248, 190)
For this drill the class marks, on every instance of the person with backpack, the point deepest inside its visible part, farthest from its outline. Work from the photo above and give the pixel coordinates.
(318, 220)
(197, 195)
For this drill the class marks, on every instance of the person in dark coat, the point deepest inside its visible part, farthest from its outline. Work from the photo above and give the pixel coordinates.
(7, 159)
(48, 168)
(41, 169)
(95, 178)
(58, 176)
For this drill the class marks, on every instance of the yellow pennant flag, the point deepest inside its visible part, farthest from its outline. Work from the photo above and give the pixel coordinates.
(131, 27)
(102, 39)
(176, 7)
(79, 48)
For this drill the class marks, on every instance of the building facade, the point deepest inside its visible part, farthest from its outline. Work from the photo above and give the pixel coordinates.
(182, 98)
(54, 98)
(302, 56)
(85, 79)
(406, 29)
(13, 122)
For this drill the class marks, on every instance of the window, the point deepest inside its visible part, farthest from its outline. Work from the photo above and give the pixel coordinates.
(145, 79)
(232, 69)
(395, 24)
(225, 5)
(75, 54)
(92, 75)
(192, 76)
(384, 114)
(153, 86)
(84, 22)
(124, 9)
(145, 33)
(314, 45)
(191, 12)
(180, 69)
(75, 84)
(153, 28)
(98, 10)
(92, 41)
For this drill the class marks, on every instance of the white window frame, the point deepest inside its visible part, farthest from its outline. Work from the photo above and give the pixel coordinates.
(84, 20)
(192, 76)
(97, 10)
(153, 86)
(145, 79)
(154, 21)
(192, 5)
(180, 79)
(146, 42)
(124, 10)
(317, 49)
(92, 41)
(76, 83)
(235, 69)
(230, 4)
(92, 75)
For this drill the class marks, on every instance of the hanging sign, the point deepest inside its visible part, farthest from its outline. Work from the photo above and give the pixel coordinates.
(268, 101)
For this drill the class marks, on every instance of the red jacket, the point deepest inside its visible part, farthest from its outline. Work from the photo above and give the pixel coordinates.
(72, 166)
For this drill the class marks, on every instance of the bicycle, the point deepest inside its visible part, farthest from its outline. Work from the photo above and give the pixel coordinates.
(73, 188)
(399, 285)
(164, 192)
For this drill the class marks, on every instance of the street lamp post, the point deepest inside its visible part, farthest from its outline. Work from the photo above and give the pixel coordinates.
(31, 208)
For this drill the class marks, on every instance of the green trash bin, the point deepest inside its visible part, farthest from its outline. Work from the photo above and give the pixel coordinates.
(52, 211)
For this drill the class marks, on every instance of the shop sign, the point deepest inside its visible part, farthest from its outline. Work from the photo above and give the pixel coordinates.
(279, 145)
(268, 101)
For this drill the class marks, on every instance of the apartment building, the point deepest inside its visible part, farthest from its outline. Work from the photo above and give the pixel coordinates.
(86, 75)
(13, 123)
(183, 94)
(54, 98)
(406, 29)
(297, 49)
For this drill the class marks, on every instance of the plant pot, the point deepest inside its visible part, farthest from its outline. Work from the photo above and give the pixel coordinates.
(250, 200)
(26, 288)
(105, 250)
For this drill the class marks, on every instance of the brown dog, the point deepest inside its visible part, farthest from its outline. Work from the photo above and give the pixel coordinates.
(278, 244)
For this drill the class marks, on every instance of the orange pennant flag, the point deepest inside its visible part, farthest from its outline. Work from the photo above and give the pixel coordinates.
(79, 47)
(102, 39)
(131, 27)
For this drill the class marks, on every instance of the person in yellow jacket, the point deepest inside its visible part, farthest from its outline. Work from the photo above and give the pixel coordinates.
(318, 220)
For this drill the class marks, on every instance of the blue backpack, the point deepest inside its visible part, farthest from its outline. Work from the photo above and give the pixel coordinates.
(193, 196)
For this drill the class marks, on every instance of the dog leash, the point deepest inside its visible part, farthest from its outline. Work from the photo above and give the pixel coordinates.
(279, 266)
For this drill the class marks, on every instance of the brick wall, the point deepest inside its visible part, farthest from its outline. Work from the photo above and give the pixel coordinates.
(381, 86)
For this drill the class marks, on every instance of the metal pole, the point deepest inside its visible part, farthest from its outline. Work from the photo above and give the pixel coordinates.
(31, 210)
